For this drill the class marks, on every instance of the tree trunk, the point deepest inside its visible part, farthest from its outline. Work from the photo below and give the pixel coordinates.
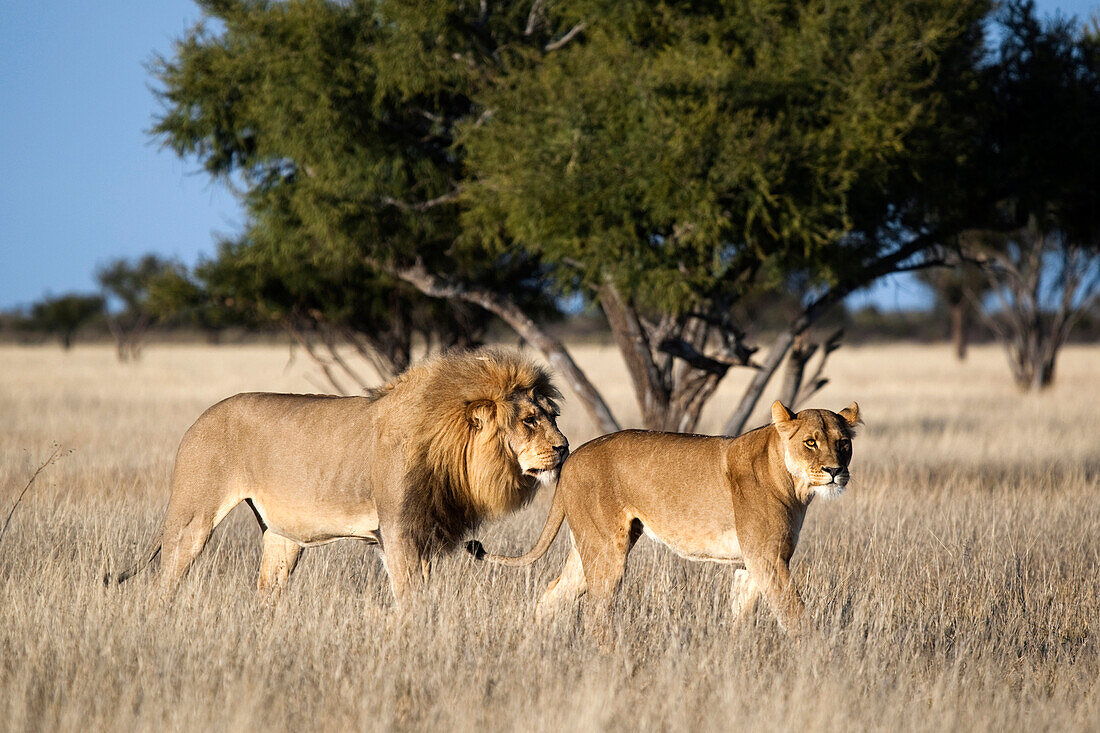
(800, 354)
(960, 335)
(650, 390)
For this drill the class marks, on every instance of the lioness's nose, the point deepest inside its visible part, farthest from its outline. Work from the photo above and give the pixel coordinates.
(561, 450)
(831, 471)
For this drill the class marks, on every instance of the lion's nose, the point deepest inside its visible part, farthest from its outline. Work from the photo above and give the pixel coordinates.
(833, 472)
(561, 451)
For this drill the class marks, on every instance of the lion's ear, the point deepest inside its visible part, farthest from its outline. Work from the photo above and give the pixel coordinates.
(782, 418)
(851, 415)
(479, 413)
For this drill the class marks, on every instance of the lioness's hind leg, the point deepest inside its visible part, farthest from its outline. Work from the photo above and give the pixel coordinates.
(563, 592)
(280, 557)
(604, 561)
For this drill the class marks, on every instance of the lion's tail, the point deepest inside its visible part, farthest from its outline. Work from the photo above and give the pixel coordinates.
(133, 569)
(549, 532)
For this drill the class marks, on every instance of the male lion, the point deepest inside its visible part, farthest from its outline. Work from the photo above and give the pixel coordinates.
(411, 467)
(730, 500)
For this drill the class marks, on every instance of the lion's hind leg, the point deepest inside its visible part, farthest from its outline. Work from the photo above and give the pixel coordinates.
(563, 593)
(279, 558)
(191, 519)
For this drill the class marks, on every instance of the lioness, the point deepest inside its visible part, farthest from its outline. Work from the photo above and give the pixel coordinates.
(730, 500)
(411, 467)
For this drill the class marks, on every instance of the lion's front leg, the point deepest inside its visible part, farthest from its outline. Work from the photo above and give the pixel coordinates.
(278, 561)
(405, 564)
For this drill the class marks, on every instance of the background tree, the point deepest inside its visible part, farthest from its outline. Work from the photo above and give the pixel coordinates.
(65, 315)
(957, 289)
(126, 287)
(1039, 149)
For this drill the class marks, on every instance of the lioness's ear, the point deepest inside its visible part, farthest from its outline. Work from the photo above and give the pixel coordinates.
(479, 413)
(781, 418)
(851, 415)
(780, 413)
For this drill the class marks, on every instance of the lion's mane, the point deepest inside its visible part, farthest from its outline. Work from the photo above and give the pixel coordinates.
(459, 473)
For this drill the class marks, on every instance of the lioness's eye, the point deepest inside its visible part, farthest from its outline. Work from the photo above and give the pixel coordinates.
(810, 443)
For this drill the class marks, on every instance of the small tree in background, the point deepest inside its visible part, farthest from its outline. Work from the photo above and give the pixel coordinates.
(956, 289)
(177, 298)
(128, 284)
(65, 315)
(1041, 284)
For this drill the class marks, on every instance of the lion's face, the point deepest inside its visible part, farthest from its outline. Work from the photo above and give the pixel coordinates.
(818, 445)
(520, 432)
(539, 447)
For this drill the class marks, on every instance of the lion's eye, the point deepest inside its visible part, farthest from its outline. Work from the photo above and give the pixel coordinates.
(810, 443)
(531, 421)
(843, 445)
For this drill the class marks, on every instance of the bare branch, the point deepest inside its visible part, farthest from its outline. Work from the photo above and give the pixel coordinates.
(422, 206)
(555, 351)
(533, 18)
(683, 350)
(555, 45)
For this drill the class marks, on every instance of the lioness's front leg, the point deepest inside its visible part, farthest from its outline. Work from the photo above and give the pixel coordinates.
(744, 595)
(773, 578)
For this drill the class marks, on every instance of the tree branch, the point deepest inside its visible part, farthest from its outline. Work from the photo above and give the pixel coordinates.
(422, 206)
(559, 357)
(555, 45)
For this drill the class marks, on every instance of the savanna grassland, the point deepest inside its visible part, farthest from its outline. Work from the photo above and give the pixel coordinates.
(956, 584)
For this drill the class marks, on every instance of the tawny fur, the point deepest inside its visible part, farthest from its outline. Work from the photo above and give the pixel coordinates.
(739, 500)
(412, 466)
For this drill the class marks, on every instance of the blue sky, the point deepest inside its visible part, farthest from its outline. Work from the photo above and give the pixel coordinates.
(82, 182)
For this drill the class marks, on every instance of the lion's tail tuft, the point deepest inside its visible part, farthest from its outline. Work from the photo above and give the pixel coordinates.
(549, 532)
(133, 569)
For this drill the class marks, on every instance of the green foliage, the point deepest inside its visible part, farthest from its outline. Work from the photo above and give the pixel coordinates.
(1042, 113)
(338, 119)
(687, 152)
(128, 283)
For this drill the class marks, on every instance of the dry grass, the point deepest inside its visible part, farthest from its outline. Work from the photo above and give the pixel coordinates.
(954, 586)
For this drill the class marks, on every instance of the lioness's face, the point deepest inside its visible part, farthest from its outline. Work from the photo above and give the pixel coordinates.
(539, 446)
(818, 445)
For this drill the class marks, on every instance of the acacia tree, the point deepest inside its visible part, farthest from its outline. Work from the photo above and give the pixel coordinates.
(664, 159)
